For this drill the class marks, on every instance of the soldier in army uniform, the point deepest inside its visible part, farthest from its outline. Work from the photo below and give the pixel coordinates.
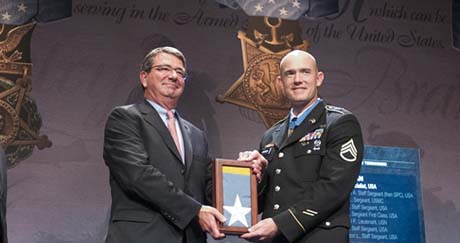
(310, 162)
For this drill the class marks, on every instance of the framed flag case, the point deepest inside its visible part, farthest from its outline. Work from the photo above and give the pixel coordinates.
(235, 195)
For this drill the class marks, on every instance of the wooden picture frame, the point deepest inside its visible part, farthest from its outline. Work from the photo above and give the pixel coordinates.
(235, 185)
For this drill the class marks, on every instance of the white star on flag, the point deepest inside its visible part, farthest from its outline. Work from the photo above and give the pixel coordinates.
(271, 1)
(238, 212)
(283, 12)
(6, 16)
(295, 4)
(22, 7)
(259, 8)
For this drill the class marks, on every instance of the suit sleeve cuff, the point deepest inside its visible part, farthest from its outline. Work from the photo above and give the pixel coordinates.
(289, 225)
(186, 216)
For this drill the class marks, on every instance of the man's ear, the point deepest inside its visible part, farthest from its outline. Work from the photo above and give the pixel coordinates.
(279, 84)
(143, 78)
(319, 78)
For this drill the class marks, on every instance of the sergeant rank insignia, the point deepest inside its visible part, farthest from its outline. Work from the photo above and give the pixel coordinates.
(348, 151)
(264, 43)
(20, 121)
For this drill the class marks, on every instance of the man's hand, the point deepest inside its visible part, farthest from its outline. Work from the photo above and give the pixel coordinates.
(265, 229)
(258, 162)
(207, 217)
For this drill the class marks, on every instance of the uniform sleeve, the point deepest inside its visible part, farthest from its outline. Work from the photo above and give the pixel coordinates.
(263, 183)
(127, 159)
(337, 176)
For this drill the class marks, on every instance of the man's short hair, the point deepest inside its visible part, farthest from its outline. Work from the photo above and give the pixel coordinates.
(147, 63)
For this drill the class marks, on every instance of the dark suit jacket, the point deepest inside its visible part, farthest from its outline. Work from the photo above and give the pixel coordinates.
(307, 184)
(155, 197)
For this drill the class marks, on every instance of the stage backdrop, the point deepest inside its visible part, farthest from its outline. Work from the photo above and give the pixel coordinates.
(390, 62)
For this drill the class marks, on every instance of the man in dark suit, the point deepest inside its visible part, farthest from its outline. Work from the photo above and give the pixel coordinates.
(311, 159)
(159, 165)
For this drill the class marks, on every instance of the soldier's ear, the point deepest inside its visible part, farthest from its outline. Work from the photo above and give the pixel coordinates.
(279, 83)
(319, 78)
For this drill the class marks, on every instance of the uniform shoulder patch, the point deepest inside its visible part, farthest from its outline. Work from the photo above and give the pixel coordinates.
(348, 151)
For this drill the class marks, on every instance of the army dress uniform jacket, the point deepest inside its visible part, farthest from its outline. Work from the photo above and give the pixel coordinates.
(155, 196)
(307, 184)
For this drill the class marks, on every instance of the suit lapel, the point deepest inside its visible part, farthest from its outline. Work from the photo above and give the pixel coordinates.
(152, 117)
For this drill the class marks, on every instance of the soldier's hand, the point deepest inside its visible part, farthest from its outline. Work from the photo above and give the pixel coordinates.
(258, 162)
(207, 217)
(265, 229)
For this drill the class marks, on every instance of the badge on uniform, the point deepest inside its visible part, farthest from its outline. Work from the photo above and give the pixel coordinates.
(348, 151)
(317, 144)
(267, 149)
